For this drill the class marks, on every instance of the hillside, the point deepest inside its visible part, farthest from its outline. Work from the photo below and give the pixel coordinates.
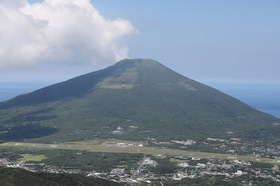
(134, 99)
(15, 177)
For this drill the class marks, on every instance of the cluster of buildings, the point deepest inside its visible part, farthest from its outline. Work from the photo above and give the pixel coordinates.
(185, 167)
(193, 168)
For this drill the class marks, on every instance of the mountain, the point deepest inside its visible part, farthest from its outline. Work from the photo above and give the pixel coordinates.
(14, 177)
(134, 99)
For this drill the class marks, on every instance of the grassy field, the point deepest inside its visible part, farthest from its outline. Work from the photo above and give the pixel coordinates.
(124, 147)
(32, 158)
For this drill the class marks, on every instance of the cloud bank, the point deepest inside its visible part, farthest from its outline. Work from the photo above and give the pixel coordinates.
(59, 31)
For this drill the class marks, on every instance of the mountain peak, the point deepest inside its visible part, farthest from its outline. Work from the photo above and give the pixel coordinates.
(140, 72)
(126, 74)
(138, 64)
(138, 61)
(137, 92)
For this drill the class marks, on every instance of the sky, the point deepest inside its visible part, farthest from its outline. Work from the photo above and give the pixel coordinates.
(205, 40)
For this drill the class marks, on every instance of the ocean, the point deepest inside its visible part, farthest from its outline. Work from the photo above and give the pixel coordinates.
(263, 97)
(10, 90)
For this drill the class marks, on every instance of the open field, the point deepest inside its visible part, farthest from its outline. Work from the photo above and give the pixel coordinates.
(118, 146)
(31, 157)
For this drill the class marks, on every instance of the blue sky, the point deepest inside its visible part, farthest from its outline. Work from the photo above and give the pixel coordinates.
(206, 40)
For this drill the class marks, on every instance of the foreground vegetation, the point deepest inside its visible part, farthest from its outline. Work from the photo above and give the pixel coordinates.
(16, 177)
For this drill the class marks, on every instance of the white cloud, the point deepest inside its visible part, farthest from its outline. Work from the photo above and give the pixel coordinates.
(59, 31)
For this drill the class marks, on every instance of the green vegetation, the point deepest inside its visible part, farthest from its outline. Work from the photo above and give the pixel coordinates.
(102, 156)
(117, 86)
(165, 166)
(90, 161)
(102, 147)
(158, 102)
(32, 158)
(261, 165)
(75, 159)
(15, 177)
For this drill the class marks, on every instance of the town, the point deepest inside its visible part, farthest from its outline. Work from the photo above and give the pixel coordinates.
(163, 168)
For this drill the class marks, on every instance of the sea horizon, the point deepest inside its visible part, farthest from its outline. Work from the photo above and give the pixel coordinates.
(264, 97)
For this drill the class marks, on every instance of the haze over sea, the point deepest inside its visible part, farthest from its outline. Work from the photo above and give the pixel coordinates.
(263, 97)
